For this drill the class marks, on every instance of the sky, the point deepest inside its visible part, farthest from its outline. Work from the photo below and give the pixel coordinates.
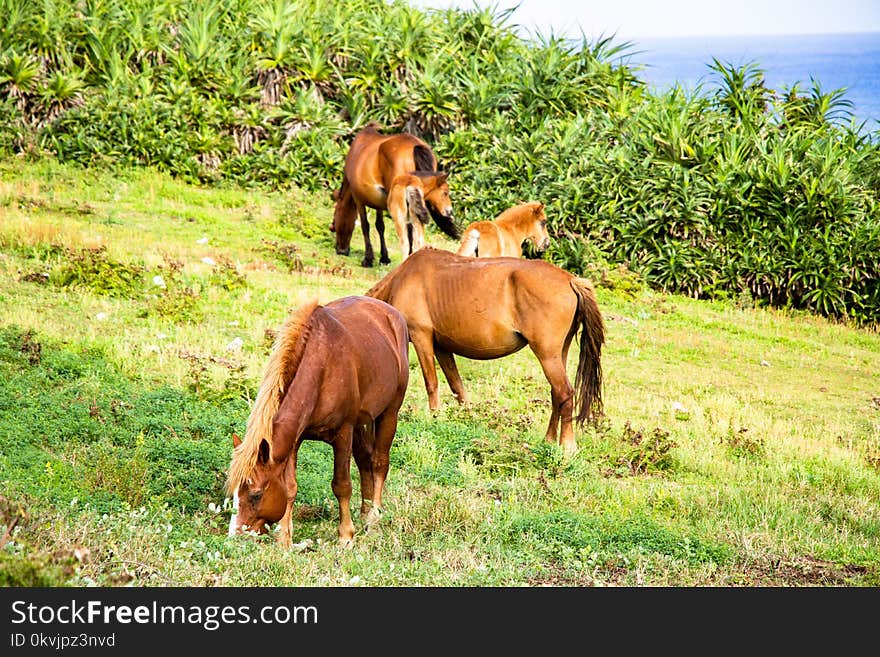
(632, 19)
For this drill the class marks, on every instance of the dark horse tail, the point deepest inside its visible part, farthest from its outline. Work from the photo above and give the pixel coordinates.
(588, 380)
(424, 158)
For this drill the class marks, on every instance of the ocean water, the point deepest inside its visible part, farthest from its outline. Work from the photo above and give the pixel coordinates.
(835, 61)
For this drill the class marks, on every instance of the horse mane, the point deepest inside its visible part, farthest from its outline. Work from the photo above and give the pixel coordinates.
(286, 356)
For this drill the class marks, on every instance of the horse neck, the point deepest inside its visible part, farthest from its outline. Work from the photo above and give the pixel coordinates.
(296, 410)
(279, 372)
(514, 224)
(382, 289)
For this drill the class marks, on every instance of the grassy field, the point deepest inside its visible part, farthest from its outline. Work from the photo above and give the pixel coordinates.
(741, 446)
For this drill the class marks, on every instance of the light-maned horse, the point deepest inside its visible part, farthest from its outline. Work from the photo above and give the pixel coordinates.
(396, 173)
(486, 308)
(337, 373)
(504, 235)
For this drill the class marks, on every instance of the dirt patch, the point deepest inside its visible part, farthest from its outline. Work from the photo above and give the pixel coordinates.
(804, 571)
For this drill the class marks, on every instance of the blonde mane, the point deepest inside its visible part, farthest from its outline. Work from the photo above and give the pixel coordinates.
(277, 375)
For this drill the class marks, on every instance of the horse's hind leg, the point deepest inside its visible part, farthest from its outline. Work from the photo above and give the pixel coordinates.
(385, 428)
(362, 448)
(450, 369)
(397, 210)
(365, 229)
(562, 400)
(342, 446)
(418, 236)
(383, 248)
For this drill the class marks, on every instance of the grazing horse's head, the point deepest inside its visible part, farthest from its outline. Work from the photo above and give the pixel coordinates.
(262, 497)
(538, 234)
(436, 189)
(344, 216)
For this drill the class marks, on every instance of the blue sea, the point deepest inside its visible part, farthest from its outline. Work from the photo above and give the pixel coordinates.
(835, 61)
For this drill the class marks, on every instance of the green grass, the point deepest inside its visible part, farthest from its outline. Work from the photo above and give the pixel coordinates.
(741, 446)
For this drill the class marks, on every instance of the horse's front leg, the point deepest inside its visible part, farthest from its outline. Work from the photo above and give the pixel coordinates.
(342, 445)
(423, 342)
(285, 526)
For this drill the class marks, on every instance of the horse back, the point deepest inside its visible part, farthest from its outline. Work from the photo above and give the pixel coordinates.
(479, 307)
(373, 374)
(487, 239)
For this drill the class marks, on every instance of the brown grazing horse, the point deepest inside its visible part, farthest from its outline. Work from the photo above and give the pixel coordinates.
(485, 308)
(504, 235)
(337, 373)
(397, 173)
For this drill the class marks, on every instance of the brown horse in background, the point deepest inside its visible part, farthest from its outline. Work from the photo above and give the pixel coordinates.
(504, 235)
(309, 392)
(397, 173)
(486, 308)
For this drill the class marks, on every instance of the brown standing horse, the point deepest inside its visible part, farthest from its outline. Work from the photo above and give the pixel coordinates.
(485, 308)
(397, 173)
(504, 235)
(310, 392)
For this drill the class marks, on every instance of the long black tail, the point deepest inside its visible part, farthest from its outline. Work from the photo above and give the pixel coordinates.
(424, 158)
(588, 380)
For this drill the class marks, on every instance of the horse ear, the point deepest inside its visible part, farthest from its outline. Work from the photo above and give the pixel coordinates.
(263, 453)
(236, 441)
(443, 177)
(539, 208)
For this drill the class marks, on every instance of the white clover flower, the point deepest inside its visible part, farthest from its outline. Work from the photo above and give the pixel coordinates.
(158, 281)
(203, 240)
(209, 261)
(101, 317)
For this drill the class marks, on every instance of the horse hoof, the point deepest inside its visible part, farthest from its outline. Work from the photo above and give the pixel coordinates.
(366, 263)
(384, 261)
(343, 252)
(346, 543)
(373, 518)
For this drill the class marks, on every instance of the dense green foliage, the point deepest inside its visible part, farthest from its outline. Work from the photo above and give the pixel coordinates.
(732, 190)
